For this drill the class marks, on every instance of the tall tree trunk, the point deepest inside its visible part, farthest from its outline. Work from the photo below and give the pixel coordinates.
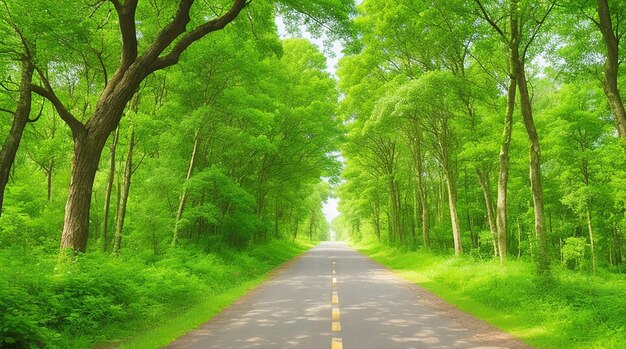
(591, 240)
(20, 119)
(454, 216)
(421, 187)
(503, 174)
(376, 216)
(312, 223)
(183, 195)
(611, 68)
(121, 209)
(483, 177)
(109, 190)
(473, 235)
(543, 259)
(87, 150)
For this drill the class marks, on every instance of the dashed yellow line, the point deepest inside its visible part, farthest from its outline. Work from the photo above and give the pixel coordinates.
(336, 342)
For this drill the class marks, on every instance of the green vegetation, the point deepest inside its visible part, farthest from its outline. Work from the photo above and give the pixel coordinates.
(573, 310)
(174, 151)
(152, 149)
(488, 128)
(98, 299)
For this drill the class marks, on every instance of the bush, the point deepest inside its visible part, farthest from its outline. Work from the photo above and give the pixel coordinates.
(574, 252)
(96, 297)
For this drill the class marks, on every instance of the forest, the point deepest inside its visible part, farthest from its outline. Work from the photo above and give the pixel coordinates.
(486, 129)
(160, 154)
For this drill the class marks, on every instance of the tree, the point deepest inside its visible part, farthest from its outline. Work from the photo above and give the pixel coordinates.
(525, 24)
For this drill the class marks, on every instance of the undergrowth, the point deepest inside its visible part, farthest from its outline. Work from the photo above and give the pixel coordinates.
(99, 299)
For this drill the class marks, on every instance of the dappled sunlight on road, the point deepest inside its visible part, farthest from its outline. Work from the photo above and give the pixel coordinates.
(378, 310)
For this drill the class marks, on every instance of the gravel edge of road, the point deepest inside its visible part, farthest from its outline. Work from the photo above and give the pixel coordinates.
(483, 332)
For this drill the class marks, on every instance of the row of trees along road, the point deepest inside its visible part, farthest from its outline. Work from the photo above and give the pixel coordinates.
(490, 126)
(191, 118)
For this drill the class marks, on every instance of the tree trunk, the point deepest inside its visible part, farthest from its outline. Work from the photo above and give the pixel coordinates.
(454, 216)
(503, 174)
(611, 68)
(121, 209)
(376, 217)
(107, 194)
(593, 249)
(312, 223)
(543, 259)
(483, 177)
(20, 119)
(87, 150)
(421, 188)
(183, 195)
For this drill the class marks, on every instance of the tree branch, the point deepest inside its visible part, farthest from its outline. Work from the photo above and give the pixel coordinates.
(128, 29)
(490, 20)
(538, 28)
(48, 93)
(172, 31)
(38, 115)
(196, 34)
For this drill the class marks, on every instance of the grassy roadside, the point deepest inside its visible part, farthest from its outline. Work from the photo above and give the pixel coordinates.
(574, 311)
(178, 324)
(132, 301)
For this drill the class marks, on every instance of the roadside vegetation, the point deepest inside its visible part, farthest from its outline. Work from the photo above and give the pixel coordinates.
(104, 301)
(571, 310)
(490, 137)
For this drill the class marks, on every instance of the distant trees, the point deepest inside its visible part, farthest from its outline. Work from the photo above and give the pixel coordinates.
(448, 130)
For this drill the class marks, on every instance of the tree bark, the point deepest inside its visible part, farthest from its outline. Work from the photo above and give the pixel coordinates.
(20, 119)
(87, 152)
(421, 187)
(543, 259)
(109, 190)
(503, 174)
(183, 195)
(483, 177)
(454, 216)
(121, 209)
(611, 68)
(591, 240)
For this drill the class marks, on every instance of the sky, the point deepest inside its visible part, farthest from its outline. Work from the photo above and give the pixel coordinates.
(332, 58)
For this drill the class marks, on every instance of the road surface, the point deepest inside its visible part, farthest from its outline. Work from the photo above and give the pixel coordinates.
(334, 297)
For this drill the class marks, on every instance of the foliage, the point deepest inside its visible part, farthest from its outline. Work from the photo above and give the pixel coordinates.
(98, 298)
(573, 310)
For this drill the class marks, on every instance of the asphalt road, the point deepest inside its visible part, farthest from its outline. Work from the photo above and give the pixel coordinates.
(334, 297)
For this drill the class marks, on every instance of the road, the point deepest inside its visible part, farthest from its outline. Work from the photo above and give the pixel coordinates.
(334, 297)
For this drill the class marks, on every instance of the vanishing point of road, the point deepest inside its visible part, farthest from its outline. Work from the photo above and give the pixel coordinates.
(334, 297)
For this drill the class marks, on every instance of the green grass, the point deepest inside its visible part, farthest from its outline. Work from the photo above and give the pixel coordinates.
(182, 323)
(101, 301)
(571, 311)
(179, 324)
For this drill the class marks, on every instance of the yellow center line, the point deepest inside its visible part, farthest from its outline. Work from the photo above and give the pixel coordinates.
(336, 344)
(335, 299)
(336, 314)
(336, 326)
